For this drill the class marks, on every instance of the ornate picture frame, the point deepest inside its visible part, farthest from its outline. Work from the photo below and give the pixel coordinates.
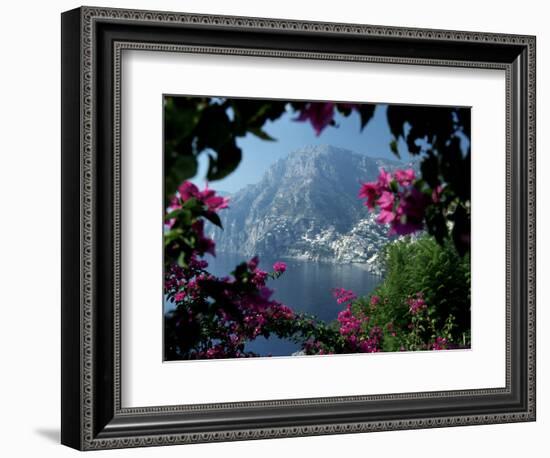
(93, 40)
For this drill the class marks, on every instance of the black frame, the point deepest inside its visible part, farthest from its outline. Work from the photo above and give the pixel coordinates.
(92, 42)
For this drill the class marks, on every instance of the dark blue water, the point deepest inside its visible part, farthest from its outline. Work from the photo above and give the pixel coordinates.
(305, 287)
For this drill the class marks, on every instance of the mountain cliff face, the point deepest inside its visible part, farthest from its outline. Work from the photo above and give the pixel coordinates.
(306, 206)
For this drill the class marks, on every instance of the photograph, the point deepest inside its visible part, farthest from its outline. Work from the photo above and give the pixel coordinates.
(305, 227)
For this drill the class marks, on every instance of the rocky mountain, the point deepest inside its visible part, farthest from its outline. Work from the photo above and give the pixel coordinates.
(306, 206)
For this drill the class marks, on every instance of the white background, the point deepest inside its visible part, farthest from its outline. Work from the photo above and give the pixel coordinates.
(146, 76)
(30, 241)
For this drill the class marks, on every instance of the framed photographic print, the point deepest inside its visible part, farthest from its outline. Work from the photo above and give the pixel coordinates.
(277, 228)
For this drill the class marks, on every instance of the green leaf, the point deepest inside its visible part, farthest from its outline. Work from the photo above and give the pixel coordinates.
(240, 270)
(366, 111)
(227, 160)
(181, 260)
(214, 129)
(179, 170)
(173, 214)
(193, 205)
(180, 121)
(271, 111)
(258, 132)
(430, 170)
(345, 109)
(393, 147)
(182, 215)
(214, 218)
(461, 230)
(172, 235)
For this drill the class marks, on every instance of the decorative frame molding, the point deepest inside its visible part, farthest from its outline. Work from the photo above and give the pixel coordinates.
(93, 40)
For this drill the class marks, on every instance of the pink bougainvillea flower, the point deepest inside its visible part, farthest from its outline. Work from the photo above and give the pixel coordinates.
(253, 263)
(369, 191)
(349, 323)
(404, 228)
(386, 217)
(410, 213)
(207, 196)
(279, 267)
(265, 293)
(374, 190)
(195, 263)
(414, 204)
(180, 296)
(401, 204)
(365, 346)
(440, 344)
(386, 201)
(213, 202)
(404, 177)
(416, 305)
(174, 203)
(384, 179)
(343, 295)
(319, 114)
(259, 278)
(376, 332)
(187, 190)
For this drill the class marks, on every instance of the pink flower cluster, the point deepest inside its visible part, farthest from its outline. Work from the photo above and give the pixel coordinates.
(402, 205)
(246, 312)
(314, 347)
(416, 304)
(353, 333)
(440, 344)
(343, 295)
(279, 267)
(234, 309)
(188, 190)
(353, 328)
(349, 323)
(207, 197)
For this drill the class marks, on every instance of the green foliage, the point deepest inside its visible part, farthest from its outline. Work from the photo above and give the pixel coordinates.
(181, 238)
(437, 134)
(210, 125)
(440, 275)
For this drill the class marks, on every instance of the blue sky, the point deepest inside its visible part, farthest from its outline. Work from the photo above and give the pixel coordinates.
(291, 135)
